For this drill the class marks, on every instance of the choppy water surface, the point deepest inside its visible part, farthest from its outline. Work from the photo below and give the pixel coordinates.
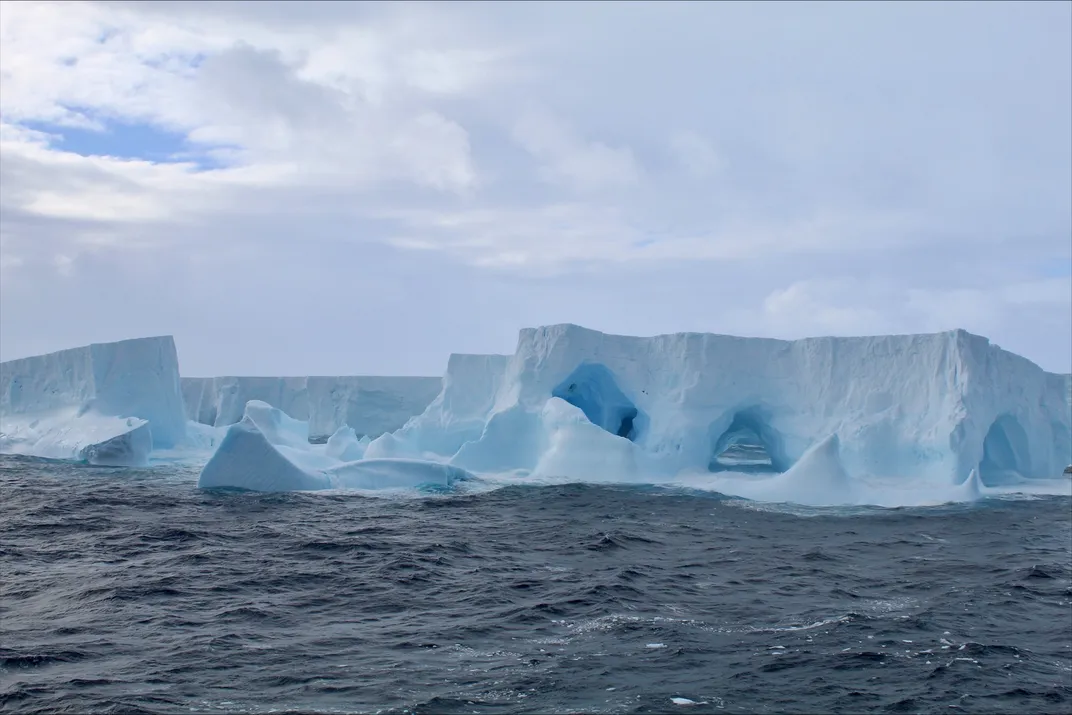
(131, 591)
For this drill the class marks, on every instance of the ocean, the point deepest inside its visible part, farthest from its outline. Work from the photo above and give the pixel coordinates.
(131, 591)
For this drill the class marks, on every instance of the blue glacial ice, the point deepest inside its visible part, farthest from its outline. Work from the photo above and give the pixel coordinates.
(877, 420)
(835, 415)
(269, 451)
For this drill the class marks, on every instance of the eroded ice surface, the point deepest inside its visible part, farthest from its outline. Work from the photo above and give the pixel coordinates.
(106, 403)
(269, 451)
(577, 403)
(886, 420)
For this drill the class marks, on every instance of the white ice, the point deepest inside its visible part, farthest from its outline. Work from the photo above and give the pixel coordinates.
(891, 420)
(107, 403)
(922, 418)
(685, 702)
(368, 405)
(269, 451)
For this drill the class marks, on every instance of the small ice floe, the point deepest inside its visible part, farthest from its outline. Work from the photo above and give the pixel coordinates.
(685, 702)
(655, 645)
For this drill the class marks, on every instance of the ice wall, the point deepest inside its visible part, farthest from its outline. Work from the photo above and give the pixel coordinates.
(369, 405)
(106, 402)
(936, 405)
(458, 413)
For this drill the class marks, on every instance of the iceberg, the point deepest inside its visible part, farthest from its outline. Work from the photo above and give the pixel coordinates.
(106, 403)
(576, 403)
(269, 451)
(369, 405)
(814, 421)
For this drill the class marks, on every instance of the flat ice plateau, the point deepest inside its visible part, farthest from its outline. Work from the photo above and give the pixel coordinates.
(872, 420)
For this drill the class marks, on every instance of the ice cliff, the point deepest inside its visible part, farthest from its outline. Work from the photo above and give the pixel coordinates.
(369, 405)
(106, 403)
(576, 402)
(829, 414)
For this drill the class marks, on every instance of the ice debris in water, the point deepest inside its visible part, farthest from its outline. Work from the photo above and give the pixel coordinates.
(685, 702)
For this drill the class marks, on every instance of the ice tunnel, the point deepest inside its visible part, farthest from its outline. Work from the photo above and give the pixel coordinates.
(1005, 452)
(592, 389)
(749, 444)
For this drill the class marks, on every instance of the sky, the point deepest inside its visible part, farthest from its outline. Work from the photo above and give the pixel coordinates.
(335, 188)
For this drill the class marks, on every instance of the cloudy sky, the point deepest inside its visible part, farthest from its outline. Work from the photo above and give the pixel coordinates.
(332, 188)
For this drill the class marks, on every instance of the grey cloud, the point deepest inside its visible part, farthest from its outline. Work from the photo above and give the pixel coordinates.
(897, 161)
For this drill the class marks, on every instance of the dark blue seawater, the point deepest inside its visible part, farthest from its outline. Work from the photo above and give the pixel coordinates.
(130, 591)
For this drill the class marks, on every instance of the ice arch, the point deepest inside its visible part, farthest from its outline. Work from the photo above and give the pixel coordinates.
(1005, 452)
(744, 452)
(592, 389)
(749, 427)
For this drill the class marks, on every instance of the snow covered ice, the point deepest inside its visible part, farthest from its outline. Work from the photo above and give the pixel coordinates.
(822, 421)
(107, 403)
(368, 405)
(268, 451)
(575, 403)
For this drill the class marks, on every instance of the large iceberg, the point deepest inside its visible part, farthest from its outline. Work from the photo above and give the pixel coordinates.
(573, 402)
(269, 451)
(106, 403)
(369, 405)
(827, 416)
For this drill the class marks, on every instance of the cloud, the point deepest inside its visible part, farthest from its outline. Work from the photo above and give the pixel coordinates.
(695, 153)
(854, 306)
(582, 165)
(831, 307)
(277, 97)
(259, 103)
(456, 171)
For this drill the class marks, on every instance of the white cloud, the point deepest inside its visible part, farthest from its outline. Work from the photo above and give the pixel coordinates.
(696, 154)
(583, 165)
(280, 97)
(855, 306)
(9, 261)
(985, 309)
(64, 265)
(830, 307)
(51, 183)
(554, 156)
(560, 235)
